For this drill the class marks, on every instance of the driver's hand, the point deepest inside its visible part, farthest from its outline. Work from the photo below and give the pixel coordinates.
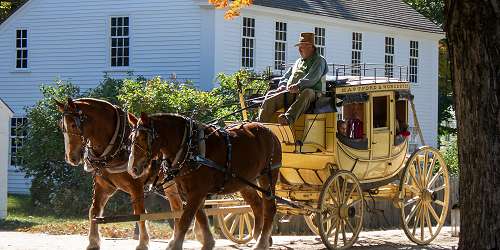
(294, 89)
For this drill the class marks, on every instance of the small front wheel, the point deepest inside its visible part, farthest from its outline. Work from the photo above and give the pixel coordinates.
(341, 208)
(237, 227)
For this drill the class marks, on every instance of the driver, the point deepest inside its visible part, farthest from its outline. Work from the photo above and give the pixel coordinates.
(301, 84)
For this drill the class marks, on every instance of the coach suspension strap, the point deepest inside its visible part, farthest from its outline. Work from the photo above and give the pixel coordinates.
(415, 120)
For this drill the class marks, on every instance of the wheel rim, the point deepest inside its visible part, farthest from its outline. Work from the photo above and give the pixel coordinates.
(237, 227)
(424, 195)
(342, 207)
(312, 221)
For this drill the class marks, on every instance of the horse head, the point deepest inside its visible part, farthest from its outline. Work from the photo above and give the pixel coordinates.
(141, 144)
(72, 126)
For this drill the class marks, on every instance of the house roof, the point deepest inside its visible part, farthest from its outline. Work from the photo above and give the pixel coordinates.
(393, 13)
(7, 106)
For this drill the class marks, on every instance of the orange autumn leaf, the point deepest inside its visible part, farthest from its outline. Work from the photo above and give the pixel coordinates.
(234, 7)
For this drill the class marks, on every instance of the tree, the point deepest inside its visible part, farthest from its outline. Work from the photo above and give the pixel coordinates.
(473, 31)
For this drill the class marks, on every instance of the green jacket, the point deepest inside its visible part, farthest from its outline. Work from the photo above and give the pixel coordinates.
(306, 73)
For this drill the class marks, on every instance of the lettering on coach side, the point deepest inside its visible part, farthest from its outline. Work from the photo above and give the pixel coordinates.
(372, 87)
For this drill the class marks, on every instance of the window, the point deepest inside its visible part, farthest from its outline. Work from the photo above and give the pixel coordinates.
(248, 43)
(17, 134)
(380, 114)
(21, 49)
(413, 74)
(319, 40)
(357, 47)
(120, 42)
(280, 46)
(389, 56)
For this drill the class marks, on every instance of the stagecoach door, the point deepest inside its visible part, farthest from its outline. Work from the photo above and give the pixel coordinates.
(381, 127)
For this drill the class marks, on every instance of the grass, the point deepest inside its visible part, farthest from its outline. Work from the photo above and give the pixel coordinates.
(21, 218)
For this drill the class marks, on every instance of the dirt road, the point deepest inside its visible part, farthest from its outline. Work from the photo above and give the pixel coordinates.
(378, 240)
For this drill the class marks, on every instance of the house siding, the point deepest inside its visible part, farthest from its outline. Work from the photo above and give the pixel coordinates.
(69, 40)
(338, 51)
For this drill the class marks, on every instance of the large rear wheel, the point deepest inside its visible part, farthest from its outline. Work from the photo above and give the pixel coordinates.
(341, 208)
(424, 193)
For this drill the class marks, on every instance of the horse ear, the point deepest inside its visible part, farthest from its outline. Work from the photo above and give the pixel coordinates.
(60, 106)
(71, 104)
(132, 119)
(144, 118)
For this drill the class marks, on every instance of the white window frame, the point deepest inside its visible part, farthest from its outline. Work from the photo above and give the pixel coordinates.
(389, 57)
(413, 64)
(320, 39)
(248, 42)
(22, 49)
(16, 139)
(357, 53)
(280, 45)
(124, 48)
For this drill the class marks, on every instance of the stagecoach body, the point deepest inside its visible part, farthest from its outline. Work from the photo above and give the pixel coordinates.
(331, 174)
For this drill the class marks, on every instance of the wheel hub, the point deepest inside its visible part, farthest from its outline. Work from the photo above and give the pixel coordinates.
(344, 211)
(428, 195)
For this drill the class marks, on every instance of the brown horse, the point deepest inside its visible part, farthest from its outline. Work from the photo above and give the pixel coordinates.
(248, 151)
(95, 132)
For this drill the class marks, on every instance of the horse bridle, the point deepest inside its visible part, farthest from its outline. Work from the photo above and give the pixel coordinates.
(78, 117)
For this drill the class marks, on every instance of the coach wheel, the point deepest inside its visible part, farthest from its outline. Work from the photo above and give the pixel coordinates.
(341, 208)
(237, 227)
(424, 193)
(312, 221)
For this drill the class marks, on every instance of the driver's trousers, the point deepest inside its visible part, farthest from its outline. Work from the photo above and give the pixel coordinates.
(273, 103)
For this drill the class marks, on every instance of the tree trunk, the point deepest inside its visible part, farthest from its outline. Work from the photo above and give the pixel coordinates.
(473, 31)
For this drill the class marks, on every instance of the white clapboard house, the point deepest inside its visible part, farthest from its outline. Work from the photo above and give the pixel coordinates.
(80, 41)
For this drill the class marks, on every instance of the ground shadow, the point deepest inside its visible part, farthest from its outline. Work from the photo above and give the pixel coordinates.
(13, 225)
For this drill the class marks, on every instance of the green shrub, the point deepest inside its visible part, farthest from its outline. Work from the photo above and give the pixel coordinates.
(450, 154)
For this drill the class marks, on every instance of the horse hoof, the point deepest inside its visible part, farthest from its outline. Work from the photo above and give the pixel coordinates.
(141, 248)
(209, 245)
(93, 248)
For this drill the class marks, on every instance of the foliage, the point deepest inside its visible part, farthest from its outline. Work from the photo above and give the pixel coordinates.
(432, 9)
(108, 90)
(158, 95)
(450, 154)
(446, 109)
(8, 7)
(234, 7)
(228, 91)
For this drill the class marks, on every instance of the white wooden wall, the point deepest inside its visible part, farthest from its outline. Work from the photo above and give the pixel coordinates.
(5, 115)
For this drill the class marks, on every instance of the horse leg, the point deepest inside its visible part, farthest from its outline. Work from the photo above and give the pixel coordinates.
(202, 226)
(193, 205)
(137, 198)
(269, 213)
(253, 199)
(99, 200)
(172, 194)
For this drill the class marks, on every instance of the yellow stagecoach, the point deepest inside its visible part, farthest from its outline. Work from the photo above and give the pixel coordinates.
(329, 174)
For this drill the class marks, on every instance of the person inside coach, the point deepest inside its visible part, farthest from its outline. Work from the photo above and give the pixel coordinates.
(301, 84)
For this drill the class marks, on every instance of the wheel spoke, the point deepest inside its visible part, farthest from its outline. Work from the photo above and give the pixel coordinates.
(412, 174)
(336, 233)
(424, 170)
(330, 227)
(435, 177)
(428, 219)
(227, 217)
(350, 225)
(412, 200)
(439, 188)
(354, 202)
(431, 167)
(241, 227)
(233, 225)
(422, 221)
(413, 210)
(248, 224)
(333, 197)
(344, 189)
(434, 214)
(412, 188)
(439, 202)
(337, 184)
(350, 193)
(342, 227)
(417, 218)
